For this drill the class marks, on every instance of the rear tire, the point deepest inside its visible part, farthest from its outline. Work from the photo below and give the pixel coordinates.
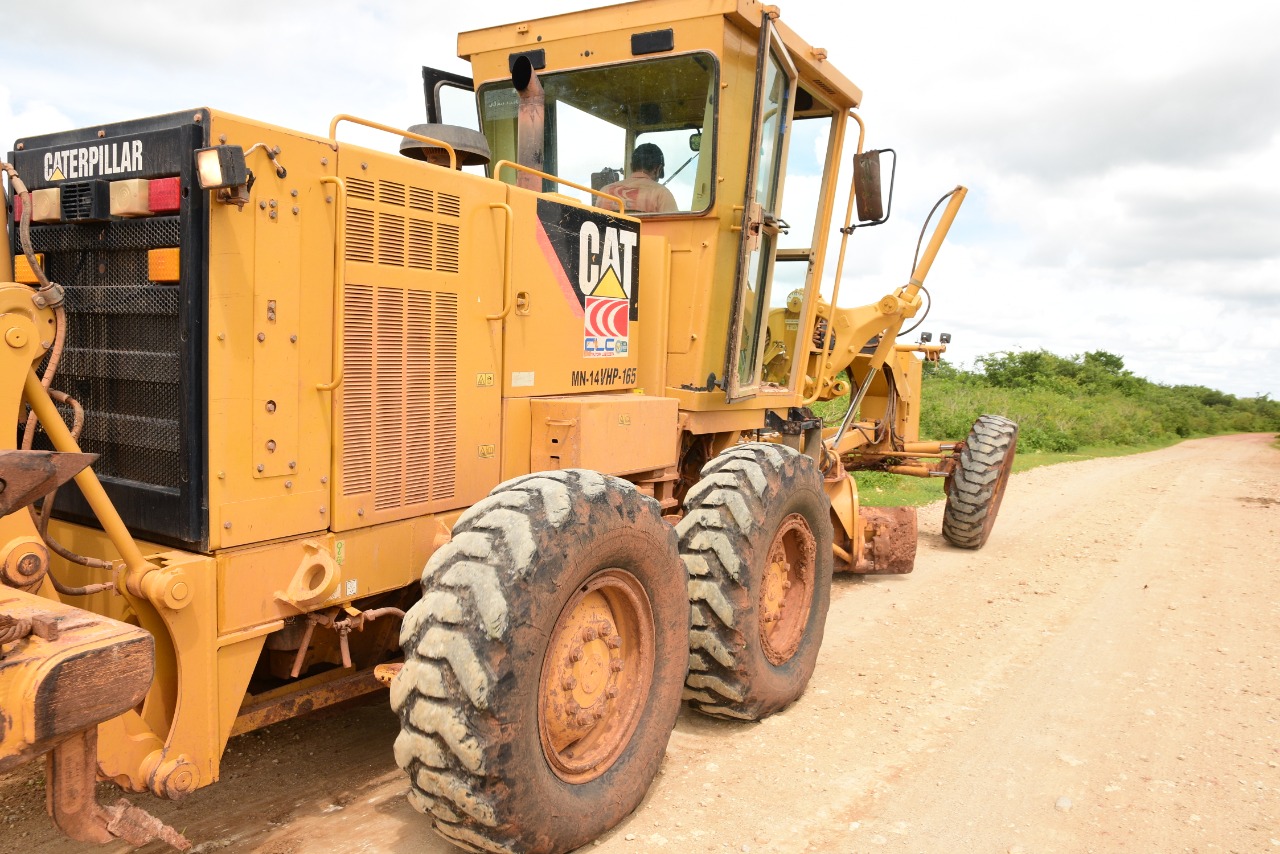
(543, 664)
(756, 539)
(976, 487)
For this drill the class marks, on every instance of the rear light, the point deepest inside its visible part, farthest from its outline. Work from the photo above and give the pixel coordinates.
(131, 197)
(166, 195)
(162, 265)
(22, 272)
(46, 205)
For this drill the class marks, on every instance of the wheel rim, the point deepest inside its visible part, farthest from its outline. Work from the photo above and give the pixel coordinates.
(596, 675)
(786, 589)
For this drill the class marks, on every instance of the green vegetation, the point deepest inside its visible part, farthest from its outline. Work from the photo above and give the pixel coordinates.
(1067, 408)
(1065, 404)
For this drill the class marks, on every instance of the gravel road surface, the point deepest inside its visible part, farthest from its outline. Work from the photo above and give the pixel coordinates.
(1103, 676)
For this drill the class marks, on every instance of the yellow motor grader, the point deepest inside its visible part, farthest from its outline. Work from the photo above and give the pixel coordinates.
(309, 369)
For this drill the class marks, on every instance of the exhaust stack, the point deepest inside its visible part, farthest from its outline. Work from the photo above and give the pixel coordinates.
(530, 123)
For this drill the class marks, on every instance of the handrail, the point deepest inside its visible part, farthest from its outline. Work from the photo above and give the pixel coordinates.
(497, 168)
(339, 283)
(835, 288)
(507, 301)
(438, 143)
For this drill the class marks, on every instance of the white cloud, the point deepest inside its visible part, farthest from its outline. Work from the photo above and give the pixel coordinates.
(1121, 157)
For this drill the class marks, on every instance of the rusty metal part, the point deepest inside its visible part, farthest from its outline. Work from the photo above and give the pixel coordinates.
(67, 671)
(13, 629)
(596, 676)
(889, 537)
(27, 475)
(786, 589)
(43, 626)
(71, 771)
(344, 626)
(299, 698)
(24, 564)
(384, 673)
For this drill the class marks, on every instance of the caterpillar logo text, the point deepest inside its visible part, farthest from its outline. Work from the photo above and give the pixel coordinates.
(112, 158)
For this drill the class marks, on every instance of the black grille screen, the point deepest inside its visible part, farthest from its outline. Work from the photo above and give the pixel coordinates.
(134, 355)
(121, 360)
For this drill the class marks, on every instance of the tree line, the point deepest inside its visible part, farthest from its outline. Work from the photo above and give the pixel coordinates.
(1064, 403)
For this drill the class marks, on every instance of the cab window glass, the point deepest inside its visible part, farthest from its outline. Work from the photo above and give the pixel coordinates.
(642, 130)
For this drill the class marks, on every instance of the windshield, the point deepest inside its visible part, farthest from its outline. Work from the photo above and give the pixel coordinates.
(643, 131)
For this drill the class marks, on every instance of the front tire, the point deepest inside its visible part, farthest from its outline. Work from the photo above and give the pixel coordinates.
(543, 664)
(976, 487)
(756, 539)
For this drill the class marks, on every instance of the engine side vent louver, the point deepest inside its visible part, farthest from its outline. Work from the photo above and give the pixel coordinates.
(357, 391)
(447, 248)
(400, 396)
(360, 235)
(391, 193)
(444, 423)
(360, 188)
(390, 387)
(387, 237)
(391, 239)
(422, 200)
(420, 243)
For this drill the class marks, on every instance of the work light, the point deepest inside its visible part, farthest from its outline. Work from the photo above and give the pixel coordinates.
(221, 166)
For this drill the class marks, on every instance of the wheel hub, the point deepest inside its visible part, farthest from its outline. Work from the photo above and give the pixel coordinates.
(595, 676)
(786, 589)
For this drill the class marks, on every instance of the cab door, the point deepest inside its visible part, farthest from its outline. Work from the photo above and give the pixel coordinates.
(775, 97)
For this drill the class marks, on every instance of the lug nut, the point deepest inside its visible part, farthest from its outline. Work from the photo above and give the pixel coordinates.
(569, 683)
(576, 655)
(614, 641)
(588, 634)
(572, 708)
(612, 693)
(615, 666)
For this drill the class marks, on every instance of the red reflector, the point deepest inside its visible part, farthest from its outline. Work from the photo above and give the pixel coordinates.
(166, 195)
(17, 208)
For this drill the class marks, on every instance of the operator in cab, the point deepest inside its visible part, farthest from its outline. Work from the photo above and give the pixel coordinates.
(640, 192)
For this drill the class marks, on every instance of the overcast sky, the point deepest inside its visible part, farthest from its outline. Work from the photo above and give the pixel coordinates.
(1123, 157)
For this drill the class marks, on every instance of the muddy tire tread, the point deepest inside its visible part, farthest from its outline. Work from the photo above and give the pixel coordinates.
(463, 624)
(724, 513)
(972, 500)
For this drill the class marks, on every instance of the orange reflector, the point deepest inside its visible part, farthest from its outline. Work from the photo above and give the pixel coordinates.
(162, 265)
(22, 271)
(131, 197)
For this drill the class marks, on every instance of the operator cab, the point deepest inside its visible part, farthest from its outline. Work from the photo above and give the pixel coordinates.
(720, 94)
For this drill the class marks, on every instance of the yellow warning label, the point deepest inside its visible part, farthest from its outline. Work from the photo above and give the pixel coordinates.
(609, 286)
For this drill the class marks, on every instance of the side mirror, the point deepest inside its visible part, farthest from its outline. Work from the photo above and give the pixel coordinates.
(872, 209)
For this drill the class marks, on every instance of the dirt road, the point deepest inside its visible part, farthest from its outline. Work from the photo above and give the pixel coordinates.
(1103, 676)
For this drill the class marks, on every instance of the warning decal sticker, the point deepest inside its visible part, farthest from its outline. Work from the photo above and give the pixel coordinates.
(598, 268)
